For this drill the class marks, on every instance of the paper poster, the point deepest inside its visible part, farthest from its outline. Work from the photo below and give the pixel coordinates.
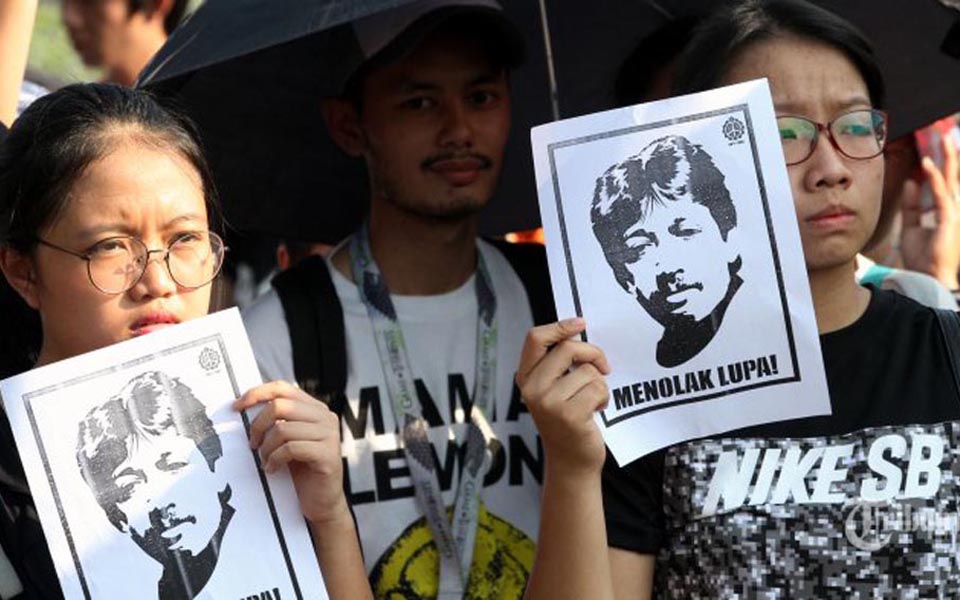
(670, 228)
(143, 476)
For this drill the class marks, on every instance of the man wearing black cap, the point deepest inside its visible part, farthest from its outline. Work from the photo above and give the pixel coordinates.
(442, 461)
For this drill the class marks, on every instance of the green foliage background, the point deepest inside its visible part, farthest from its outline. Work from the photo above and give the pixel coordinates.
(51, 54)
(50, 51)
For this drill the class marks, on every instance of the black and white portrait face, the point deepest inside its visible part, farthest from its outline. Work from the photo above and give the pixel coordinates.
(671, 230)
(149, 456)
(667, 224)
(143, 476)
(157, 496)
(668, 280)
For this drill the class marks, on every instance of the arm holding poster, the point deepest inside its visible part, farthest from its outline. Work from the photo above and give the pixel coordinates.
(561, 380)
(297, 430)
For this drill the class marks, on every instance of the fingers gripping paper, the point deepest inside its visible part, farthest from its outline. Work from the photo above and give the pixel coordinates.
(142, 474)
(670, 228)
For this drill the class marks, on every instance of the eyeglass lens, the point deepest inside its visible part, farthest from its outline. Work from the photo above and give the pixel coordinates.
(857, 134)
(193, 259)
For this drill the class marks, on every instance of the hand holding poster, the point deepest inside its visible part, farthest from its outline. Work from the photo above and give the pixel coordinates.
(143, 477)
(670, 228)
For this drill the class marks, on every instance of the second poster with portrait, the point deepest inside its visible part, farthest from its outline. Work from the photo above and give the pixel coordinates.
(670, 228)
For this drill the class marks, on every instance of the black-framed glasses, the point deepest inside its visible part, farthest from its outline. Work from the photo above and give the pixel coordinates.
(116, 264)
(858, 134)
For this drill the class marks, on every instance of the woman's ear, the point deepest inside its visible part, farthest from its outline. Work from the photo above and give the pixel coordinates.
(20, 272)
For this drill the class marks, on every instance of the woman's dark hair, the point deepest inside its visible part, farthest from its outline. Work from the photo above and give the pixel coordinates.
(740, 24)
(46, 151)
(652, 57)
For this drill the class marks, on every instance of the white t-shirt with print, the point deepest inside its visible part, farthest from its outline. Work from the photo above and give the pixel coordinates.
(440, 334)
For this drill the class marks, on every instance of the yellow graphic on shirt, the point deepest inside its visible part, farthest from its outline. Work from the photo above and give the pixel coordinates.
(502, 559)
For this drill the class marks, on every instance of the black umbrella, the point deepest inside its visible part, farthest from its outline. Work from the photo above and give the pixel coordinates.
(252, 73)
(918, 47)
(917, 44)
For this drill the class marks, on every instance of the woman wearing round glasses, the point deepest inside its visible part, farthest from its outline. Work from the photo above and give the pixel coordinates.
(786, 509)
(106, 205)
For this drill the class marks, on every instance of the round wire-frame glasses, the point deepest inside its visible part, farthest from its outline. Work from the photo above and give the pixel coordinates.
(114, 265)
(858, 134)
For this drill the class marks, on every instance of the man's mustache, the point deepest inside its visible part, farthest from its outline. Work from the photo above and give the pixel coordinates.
(484, 162)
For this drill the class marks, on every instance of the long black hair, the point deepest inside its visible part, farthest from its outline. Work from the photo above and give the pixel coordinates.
(731, 29)
(46, 152)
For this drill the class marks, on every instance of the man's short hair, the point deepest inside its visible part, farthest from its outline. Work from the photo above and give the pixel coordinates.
(172, 19)
(664, 171)
(148, 405)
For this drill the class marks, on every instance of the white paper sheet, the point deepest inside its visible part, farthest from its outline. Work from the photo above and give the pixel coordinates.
(670, 228)
(142, 472)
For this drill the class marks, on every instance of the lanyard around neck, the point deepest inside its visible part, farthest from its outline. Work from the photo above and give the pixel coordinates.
(454, 540)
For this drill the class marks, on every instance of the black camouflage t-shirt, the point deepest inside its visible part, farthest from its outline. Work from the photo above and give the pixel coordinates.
(862, 503)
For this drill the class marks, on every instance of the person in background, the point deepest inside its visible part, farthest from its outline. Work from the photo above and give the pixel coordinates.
(120, 36)
(647, 74)
(290, 252)
(916, 247)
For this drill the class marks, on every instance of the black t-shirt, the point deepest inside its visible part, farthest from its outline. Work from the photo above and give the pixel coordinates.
(861, 502)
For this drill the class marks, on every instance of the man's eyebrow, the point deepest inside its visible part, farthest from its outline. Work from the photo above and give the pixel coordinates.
(418, 86)
(485, 78)
(414, 85)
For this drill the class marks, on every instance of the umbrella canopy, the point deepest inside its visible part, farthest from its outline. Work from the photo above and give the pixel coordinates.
(917, 44)
(252, 74)
(918, 47)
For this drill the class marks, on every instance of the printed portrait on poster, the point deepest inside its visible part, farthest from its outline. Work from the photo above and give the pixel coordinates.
(143, 475)
(671, 230)
(648, 211)
(149, 455)
(672, 260)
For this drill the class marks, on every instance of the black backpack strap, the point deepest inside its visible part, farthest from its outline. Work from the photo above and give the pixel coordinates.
(949, 321)
(314, 317)
(529, 261)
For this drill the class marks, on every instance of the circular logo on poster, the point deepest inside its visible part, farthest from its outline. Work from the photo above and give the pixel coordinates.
(502, 558)
(733, 129)
(209, 359)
